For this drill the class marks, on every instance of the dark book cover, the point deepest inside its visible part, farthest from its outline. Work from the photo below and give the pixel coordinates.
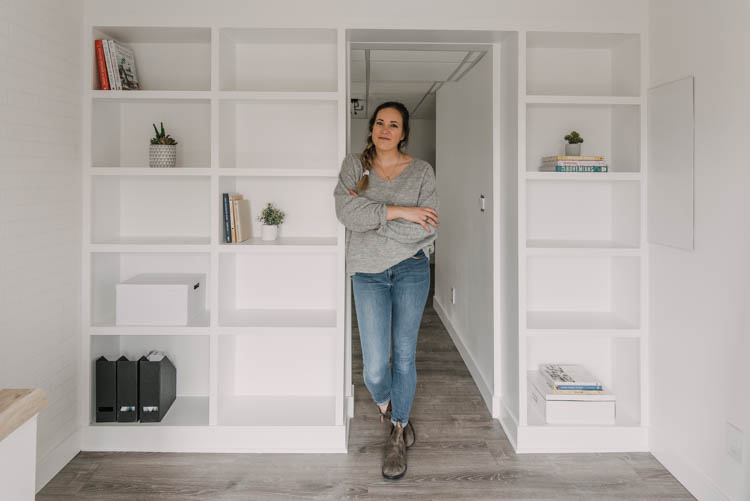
(106, 390)
(127, 390)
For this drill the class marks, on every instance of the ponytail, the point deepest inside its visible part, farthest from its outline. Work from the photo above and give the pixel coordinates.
(366, 158)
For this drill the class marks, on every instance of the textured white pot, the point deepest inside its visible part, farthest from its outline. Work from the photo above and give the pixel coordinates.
(573, 150)
(162, 155)
(269, 232)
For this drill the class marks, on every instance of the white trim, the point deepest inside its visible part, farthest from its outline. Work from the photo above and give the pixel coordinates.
(509, 422)
(691, 477)
(56, 459)
(476, 374)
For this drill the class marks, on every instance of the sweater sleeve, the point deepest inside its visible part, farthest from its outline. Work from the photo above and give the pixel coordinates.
(356, 213)
(406, 231)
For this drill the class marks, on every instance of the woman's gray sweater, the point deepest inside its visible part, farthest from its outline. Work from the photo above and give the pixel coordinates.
(373, 244)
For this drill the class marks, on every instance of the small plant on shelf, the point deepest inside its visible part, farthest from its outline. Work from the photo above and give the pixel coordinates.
(163, 149)
(272, 218)
(573, 147)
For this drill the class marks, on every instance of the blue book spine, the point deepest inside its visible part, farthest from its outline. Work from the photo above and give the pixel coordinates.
(227, 226)
(577, 387)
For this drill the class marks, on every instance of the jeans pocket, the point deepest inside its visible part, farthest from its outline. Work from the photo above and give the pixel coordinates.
(419, 255)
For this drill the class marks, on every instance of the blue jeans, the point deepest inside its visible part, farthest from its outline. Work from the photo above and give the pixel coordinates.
(388, 304)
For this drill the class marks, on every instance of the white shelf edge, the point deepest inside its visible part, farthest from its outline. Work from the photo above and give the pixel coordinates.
(198, 95)
(147, 171)
(583, 333)
(127, 330)
(177, 248)
(582, 176)
(595, 100)
(250, 172)
(585, 251)
(249, 95)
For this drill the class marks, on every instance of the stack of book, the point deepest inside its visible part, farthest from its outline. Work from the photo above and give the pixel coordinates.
(116, 65)
(562, 163)
(236, 218)
(569, 394)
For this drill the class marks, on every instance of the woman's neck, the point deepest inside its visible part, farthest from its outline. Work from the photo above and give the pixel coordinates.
(390, 157)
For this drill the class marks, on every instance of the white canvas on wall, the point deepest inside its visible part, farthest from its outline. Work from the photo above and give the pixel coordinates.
(671, 164)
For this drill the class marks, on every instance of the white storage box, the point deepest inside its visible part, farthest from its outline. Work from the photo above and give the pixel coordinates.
(160, 299)
(569, 409)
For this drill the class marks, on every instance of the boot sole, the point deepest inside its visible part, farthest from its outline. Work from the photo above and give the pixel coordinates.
(394, 477)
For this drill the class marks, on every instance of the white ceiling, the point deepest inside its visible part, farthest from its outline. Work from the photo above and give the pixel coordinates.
(409, 76)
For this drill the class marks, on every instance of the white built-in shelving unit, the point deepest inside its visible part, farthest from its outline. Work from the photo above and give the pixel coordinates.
(257, 111)
(582, 258)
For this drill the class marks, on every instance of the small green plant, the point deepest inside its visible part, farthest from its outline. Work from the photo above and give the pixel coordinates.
(271, 215)
(573, 138)
(162, 138)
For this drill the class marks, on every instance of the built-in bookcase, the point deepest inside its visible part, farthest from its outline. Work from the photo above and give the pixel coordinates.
(260, 112)
(582, 261)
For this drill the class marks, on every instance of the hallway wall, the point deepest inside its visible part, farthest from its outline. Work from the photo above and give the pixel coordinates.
(464, 260)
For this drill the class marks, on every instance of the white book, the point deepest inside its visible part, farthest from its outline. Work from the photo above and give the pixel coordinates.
(115, 71)
(555, 409)
(573, 377)
(108, 60)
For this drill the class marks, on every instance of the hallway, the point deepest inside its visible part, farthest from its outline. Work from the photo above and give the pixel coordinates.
(461, 453)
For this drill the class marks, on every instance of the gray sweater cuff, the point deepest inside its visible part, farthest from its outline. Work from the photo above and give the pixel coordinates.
(384, 215)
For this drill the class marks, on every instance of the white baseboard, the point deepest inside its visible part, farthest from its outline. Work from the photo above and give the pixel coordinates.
(476, 374)
(695, 480)
(509, 422)
(51, 464)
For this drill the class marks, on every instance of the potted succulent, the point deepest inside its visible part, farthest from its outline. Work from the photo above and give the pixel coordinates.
(271, 217)
(163, 149)
(573, 147)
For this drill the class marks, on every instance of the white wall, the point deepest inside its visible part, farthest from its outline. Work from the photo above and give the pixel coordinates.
(421, 138)
(699, 299)
(464, 247)
(40, 214)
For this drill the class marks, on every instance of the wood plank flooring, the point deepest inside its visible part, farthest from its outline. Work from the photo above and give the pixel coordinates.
(461, 453)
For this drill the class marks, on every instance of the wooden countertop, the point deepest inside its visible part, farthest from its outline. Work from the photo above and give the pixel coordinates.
(18, 405)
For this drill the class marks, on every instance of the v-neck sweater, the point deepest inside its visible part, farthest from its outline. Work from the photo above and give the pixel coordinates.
(374, 244)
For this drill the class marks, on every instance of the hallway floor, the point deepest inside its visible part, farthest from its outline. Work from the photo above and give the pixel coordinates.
(461, 453)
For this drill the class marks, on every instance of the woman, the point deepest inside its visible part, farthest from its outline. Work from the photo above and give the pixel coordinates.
(388, 203)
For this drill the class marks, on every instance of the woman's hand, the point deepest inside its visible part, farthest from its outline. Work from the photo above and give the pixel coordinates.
(420, 215)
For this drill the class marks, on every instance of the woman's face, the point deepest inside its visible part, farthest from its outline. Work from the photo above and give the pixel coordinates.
(387, 130)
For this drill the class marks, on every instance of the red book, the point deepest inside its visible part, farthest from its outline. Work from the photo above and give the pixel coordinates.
(102, 65)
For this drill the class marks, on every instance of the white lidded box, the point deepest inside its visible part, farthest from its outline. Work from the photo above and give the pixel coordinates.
(555, 409)
(160, 299)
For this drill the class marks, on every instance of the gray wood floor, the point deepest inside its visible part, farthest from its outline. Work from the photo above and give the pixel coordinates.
(461, 453)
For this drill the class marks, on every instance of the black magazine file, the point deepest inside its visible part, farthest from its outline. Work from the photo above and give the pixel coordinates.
(158, 388)
(106, 390)
(127, 390)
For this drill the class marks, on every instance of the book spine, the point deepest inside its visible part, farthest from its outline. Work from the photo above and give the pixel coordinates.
(570, 157)
(101, 65)
(108, 60)
(232, 225)
(577, 387)
(576, 162)
(573, 168)
(227, 228)
(236, 210)
(115, 67)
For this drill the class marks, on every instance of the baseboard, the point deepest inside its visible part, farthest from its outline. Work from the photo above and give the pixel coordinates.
(350, 404)
(509, 422)
(56, 459)
(691, 477)
(476, 374)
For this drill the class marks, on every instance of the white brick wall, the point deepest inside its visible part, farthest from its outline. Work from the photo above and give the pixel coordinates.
(40, 206)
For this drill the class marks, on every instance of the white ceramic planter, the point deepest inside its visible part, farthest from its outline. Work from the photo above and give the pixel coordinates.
(269, 232)
(162, 155)
(573, 150)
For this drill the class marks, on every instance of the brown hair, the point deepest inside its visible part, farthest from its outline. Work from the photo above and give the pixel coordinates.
(368, 155)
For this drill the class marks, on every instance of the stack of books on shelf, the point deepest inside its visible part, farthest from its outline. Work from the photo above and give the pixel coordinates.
(562, 163)
(236, 218)
(569, 394)
(116, 65)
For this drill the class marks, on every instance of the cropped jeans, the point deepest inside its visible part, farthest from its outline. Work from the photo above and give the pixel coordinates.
(389, 306)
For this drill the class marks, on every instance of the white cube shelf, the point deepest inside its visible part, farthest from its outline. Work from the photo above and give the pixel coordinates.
(110, 268)
(280, 60)
(190, 355)
(306, 201)
(186, 51)
(615, 361)
(122, 130)
(579, 64)
(279, 136)
(612, 131)
(259, 383)
(594, 214)
(290, 289)
(150, 209)
(591, 292)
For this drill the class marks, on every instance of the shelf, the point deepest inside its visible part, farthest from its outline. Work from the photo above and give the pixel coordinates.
(147, 171)
(552, 321)
(185, 411)
(314, 319)
(148, 95)
(278, 96)
(583, 100)
(580, 248)
(276, 411)
(195, 327)
(283, 244)
(278, 172)
(582, 176)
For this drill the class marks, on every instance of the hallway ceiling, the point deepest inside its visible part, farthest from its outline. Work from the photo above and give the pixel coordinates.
(410, 76)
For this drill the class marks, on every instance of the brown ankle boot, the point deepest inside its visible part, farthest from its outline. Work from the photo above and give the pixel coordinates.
(384, 416)
(394, 459)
